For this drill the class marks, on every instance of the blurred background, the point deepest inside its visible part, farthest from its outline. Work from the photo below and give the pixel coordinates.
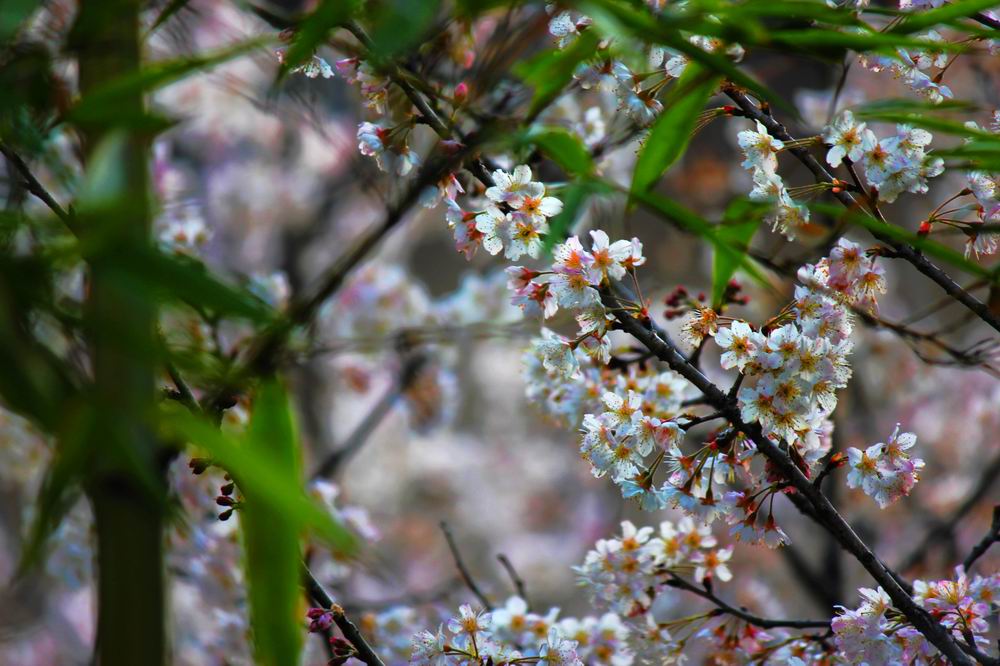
(266, 184)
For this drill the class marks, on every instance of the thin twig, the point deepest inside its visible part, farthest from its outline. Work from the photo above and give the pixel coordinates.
(763, 622)
(945, 527)
(514, 578)
(984, 544)
(463, 570)
(36, 188)
(357, 439)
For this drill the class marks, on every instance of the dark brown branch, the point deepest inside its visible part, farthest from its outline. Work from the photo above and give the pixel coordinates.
(36, 188)
(902, 250)
(463, 570)
(988, 21)
(763, 622)
(364, 651)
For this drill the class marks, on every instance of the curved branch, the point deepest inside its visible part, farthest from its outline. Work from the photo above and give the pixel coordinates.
(984, 544)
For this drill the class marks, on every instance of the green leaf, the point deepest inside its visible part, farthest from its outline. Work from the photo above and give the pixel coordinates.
(315, 28)
(786, 10)
(270, 537)
(666, 30)
(732, 251)
(104, 106)
(60, 487)
(167, 13)
(563, 148)
(399, 25)
(739, 223)
(671, 132)
(817, 39)
(929, 123)
(175, 277)
(550, 71)
(268, 484)
(14, 13)
(957, 9)
(574, 197)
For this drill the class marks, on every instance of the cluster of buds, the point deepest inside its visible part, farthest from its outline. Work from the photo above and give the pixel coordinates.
(679, 302)
(320, 622)
(226, 499)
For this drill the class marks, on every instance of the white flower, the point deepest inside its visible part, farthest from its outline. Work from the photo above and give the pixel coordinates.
(713, 563)
(494, 225)
(525, 237)
(847, 139)
(556, 355)
(740, 343)
(469, 621)
(863, 467)
(609, 257)
(512, 188)
(565, 27)
(557, 651)
(760, 149)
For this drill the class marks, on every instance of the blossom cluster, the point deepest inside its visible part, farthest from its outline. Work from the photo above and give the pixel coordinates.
(760, 151)
(877, 633)
(632, 574)
(626, 573)
(635, 91)
(474, 637)
(797, 361)
(912, 67)
(893, 165)
(885, 471)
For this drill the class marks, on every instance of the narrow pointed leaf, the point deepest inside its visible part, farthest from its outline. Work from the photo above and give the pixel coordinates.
(270, 536)
(671, 132)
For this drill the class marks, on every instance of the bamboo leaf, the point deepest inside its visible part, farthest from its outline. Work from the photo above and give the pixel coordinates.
(60, 488)
(14, 13)
(957, 9)
(399, 25)
(732, 252)
(563, 148)
(549, 72)
(671, 132)
(269, 485)
(107, 104)
(315, 28)
(271, 537)
(739, 224)
(174, 277)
